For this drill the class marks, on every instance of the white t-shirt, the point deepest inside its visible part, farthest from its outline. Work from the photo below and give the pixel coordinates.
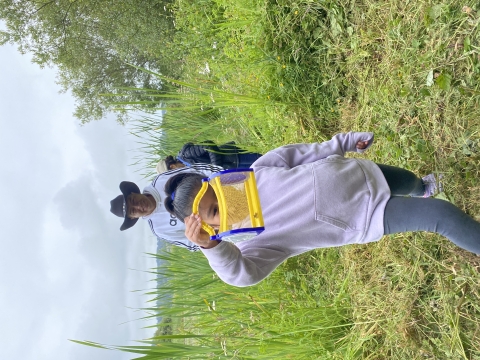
(163, 224)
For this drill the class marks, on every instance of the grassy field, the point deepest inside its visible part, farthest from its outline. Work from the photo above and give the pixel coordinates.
(267, 73)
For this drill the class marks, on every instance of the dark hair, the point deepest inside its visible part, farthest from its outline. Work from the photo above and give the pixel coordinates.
(185, 187)
(170, 160)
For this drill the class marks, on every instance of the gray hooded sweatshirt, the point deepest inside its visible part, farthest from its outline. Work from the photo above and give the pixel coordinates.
(311, 197)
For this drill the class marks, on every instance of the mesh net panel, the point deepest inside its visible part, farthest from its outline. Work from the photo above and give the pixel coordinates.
(238, 204)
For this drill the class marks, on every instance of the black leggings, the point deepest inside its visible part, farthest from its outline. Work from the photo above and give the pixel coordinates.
(404, 214)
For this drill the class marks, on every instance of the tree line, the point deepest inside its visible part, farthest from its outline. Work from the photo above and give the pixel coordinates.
(98, 46)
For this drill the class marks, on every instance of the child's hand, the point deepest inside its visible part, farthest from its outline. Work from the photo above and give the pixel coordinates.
(195, 233)
(362, 145)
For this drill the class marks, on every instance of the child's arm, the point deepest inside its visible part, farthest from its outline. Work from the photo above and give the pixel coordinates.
(298, 154)
(235, 267)
(244, 267)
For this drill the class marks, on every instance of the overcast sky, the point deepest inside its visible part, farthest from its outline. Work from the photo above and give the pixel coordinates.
(64, 264)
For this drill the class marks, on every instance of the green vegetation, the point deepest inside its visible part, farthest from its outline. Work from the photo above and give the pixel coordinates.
(389, 300)
(406, 71)
(299, 71)
(92, 44)
(271, 320)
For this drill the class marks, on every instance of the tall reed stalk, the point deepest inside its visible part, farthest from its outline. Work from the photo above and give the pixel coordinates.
(197, 112)
(215, 320)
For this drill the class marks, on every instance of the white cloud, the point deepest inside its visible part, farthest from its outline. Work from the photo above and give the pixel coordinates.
(64, 264)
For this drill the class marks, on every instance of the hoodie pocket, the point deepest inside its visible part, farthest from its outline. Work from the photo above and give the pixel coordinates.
(342, 195)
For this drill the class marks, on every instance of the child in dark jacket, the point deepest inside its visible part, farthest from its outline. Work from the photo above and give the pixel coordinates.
(228, 156)
(313, 197)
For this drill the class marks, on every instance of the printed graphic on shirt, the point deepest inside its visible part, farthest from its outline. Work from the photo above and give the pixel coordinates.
(163, 224)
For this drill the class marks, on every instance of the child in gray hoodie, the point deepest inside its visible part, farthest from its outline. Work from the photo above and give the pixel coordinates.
(313, 197)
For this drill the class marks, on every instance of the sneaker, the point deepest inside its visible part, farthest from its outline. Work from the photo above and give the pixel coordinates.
(430, 184)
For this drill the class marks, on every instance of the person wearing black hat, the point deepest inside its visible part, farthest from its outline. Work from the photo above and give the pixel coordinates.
(131, 205)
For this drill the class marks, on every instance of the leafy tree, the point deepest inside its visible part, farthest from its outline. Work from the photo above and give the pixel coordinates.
(165, 327)
(92, 42)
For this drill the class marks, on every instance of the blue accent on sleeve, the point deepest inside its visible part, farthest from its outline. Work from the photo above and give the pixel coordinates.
(183, 161)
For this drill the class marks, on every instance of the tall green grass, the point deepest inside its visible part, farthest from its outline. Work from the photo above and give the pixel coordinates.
(397, 299)
(198, 112)
(269, 320)
(409, 72)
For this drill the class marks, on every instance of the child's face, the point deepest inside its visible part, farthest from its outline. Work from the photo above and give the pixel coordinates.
(208, 208)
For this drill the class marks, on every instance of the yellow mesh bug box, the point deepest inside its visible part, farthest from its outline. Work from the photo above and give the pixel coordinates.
(238, 205)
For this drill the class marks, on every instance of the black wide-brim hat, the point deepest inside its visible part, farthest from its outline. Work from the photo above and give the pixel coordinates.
(119, 205)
